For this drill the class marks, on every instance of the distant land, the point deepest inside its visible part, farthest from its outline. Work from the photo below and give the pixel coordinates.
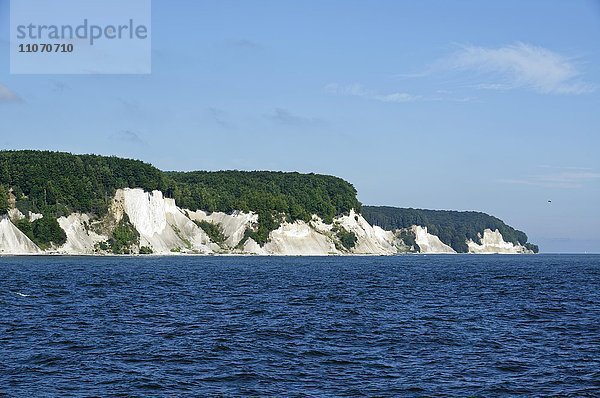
(61, 203)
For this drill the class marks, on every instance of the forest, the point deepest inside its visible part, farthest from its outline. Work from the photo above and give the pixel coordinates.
(60, 183)
(274, 196)
(452, 227)
(57, 184)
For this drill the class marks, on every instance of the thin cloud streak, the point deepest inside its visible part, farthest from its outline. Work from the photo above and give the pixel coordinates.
(128, 136)
(357, 90)
(566, 179)
(220, 117)
(518, 65)
(244, 44)
(284, 116)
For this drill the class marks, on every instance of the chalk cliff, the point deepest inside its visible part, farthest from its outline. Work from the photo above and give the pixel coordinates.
(161, 227)
(13, 241)
(493, 242)
(81, 239)
(429, 243)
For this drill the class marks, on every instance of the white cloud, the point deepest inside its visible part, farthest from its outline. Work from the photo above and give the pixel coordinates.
(128, 136)
(220, 117)
(572, 178)
(520, 65)
(244, 44)
(6, 95)
(284, 116)
(357, 90)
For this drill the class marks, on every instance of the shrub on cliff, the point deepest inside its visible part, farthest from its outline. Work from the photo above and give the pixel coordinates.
(44, 232)
(214, 232)
(3, 200)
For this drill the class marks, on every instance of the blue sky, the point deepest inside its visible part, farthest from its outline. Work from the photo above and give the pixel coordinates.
(489, 106)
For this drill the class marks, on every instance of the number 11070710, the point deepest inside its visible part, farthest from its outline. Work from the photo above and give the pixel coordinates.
(46, 48)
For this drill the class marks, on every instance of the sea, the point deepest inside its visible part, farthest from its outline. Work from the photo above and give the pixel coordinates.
(402, 326)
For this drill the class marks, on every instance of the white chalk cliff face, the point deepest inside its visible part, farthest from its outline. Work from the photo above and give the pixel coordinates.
(429, 243)
(166, 229)
(13, 241)
(80, 238)
(15, 214)
(370, 239)
(162, 226)
(299, 238)
(233, 225)
(317, 238)
(493, 242)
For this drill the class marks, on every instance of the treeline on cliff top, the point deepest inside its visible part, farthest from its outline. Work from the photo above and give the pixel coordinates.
(269, 194)
(59, 183)
(453, 228)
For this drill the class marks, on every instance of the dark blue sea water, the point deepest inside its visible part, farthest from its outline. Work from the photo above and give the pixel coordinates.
(346, 326)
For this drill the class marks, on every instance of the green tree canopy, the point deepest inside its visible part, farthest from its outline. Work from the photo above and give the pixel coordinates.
(3, 200)
(452, 227)
(56, 184)
(60, 183)
(269, 194)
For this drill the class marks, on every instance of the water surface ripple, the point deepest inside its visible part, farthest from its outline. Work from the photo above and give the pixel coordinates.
(337, 326)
